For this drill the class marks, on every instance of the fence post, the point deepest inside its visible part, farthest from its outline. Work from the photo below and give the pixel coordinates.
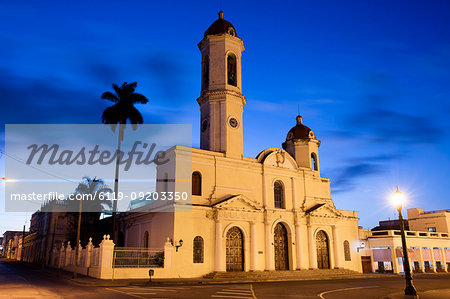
(62, 256)
(80, 248)
(168, 252)
(68, 257)
(106, 257)
(89, 247)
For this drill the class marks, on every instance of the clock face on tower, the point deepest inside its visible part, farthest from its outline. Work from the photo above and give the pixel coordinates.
(233, 122)
(204, 125)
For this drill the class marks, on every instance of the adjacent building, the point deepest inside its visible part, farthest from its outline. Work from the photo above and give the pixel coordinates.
(427, 239)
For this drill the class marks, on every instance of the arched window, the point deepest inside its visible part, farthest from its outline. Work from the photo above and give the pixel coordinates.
(145, 239)
(205, 72)
(196, 183)
(278, 195)
(347, 251)
(232, 69)
(198, 249)
(314, 165)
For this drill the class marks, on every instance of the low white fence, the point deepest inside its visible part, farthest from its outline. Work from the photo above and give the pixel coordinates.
(107, 262)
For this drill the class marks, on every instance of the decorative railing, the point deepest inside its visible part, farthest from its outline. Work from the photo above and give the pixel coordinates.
(384, 233)
(95, 257)
(126, 257)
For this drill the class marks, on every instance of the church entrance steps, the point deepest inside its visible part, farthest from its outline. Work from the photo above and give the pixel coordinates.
(297, 274)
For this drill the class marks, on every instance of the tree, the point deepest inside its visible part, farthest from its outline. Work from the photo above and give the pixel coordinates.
(92, 190)
(123, 109)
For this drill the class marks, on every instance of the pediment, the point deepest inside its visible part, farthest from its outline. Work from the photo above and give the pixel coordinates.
(277, 157)
(238, 202)
(323, 210)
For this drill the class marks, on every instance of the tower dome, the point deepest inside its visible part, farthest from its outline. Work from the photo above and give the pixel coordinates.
(299, 131)
(303, 146)
(221, 26)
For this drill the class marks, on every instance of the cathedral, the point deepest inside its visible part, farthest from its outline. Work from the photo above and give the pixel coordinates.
(272, 212)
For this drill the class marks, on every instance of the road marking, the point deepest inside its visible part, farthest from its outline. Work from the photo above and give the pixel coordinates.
(253, 292)
(235, 291)
(150, 289)
(346, 289)
(232, 296)
(126, 293)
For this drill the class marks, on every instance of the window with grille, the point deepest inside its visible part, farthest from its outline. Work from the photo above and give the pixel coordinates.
(232, 69)
(196, 183)
(278, 194)
(198, 249)
(146, 238)
(347, 251)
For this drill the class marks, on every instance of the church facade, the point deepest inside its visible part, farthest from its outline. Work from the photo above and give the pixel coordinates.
(272, 212)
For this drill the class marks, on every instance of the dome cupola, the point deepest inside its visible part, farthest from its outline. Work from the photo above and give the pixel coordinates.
(221, 26)
(303, 146)
(299, 131)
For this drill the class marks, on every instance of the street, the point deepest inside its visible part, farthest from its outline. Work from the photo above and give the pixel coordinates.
(24, 281)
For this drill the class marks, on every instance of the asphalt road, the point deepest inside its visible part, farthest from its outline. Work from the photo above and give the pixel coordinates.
(19, 281)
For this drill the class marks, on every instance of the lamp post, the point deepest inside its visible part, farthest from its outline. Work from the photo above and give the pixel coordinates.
(398, 201)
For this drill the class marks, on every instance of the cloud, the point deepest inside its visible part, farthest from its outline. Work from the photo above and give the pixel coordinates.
(391, 114)
(393, 127)
(103, 73)
(46, 100)
(169, 75)
(347, 176)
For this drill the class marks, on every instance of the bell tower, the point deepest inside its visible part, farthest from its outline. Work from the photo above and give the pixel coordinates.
(221, 100)
(302, 144)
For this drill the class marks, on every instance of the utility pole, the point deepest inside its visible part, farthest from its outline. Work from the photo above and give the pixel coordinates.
(23, 243)
(77, 249)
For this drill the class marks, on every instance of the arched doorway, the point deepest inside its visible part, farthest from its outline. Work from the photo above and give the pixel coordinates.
(280, 241)
(235, 249)
(323, 252)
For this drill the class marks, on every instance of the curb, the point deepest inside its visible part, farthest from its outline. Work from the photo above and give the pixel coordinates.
(215, 282)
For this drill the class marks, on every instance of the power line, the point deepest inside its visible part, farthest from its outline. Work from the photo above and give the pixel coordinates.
(37, 168)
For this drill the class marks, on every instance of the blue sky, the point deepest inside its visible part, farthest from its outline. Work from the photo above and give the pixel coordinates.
(371, 78)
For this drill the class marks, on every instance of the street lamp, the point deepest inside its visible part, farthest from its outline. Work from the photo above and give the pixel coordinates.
(398, 200)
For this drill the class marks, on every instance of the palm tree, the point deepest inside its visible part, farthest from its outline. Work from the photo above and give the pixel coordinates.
(94, 188)
(123, 109)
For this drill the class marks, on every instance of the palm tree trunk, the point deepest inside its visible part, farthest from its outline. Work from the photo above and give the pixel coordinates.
(116, 183)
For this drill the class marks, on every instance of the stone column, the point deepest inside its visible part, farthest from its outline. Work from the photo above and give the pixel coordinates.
(298, 246)
(312, 249)
(337, 248)
(421, 264)
(68, 255)
(168, 254)
(294, 195)
(432, 262)
(253, 247)
(219, 265)
(264, 190)
(269, 248)
(62, 257)
(394, 259)
(444, 259)
(80, 250)
(89, 248)
(106, 253)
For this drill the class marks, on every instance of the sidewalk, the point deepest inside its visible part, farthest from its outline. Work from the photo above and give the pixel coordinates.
(202, 281)
(431, 294)
(85, 280)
